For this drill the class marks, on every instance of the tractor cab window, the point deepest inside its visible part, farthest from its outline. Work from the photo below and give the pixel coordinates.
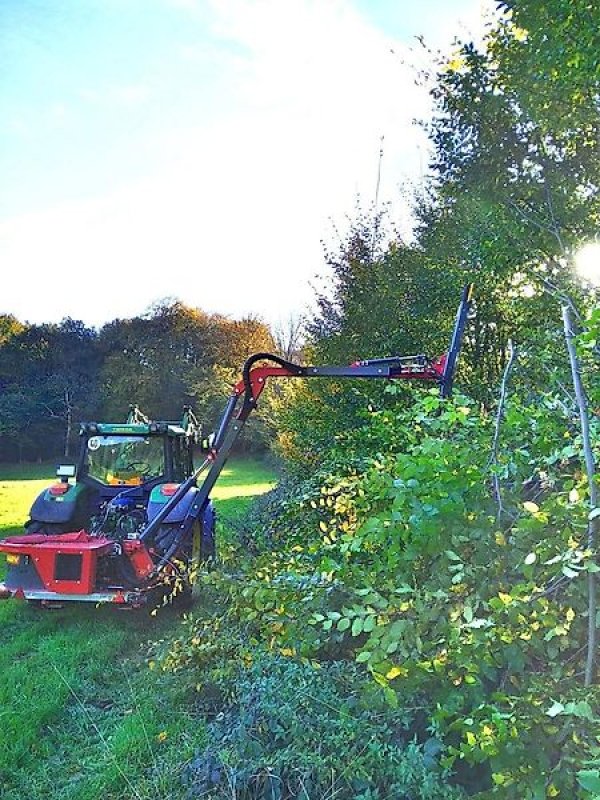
(181, 461)
(125, 460)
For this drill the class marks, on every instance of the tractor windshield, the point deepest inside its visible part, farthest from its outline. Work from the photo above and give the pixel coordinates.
(125, 460)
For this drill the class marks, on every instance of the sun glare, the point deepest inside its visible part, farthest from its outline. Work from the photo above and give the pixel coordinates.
(587, 262)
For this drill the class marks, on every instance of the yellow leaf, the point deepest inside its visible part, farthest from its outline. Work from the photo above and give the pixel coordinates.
(520, 34)
(394, 672)
(162, 736)
(323, 527)
(570, 615)
(500, 538)
(287, 651)
(506, 598)
(533, 508)
(552, 791)
(455, 64)
(573, 496)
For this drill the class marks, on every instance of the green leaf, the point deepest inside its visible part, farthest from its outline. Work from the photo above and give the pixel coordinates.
(589, 779)
(581, 709)
(363, 656)
(369, 624)
(343, 624)
(570, 573)
(357, 626)
(555, 709)
(453, 556)
(391, 698)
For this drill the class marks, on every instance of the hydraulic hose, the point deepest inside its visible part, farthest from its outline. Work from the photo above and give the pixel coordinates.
(296, 369)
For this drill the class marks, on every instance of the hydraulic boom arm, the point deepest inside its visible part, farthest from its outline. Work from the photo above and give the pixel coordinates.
(246, 393)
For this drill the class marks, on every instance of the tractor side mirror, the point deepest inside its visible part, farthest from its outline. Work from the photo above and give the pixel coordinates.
(207, 444)
(66, 471)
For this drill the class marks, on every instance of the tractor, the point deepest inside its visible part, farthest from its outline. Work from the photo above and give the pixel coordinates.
(134, 517)
(81, 537)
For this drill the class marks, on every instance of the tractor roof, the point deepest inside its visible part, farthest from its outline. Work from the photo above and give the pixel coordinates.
(132, 429)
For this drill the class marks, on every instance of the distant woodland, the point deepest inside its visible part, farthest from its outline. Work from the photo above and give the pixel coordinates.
(52, 376)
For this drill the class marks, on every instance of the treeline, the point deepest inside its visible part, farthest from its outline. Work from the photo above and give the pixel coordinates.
(54, 375)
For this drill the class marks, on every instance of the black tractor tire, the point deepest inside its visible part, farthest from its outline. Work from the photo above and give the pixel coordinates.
(47, 528)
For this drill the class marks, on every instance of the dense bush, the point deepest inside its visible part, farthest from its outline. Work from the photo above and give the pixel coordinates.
(403, 564)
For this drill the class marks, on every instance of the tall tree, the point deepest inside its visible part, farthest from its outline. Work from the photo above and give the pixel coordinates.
(49, 375)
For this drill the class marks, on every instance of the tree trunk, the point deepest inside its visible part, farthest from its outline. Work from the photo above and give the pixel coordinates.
(590, 469)
(69, 423)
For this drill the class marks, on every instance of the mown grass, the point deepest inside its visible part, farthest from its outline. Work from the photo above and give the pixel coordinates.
(82, 717)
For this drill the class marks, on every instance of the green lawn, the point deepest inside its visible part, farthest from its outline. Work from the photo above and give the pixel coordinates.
(82, 717)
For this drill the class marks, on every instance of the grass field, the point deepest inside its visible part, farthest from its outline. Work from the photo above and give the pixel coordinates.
(82, 716)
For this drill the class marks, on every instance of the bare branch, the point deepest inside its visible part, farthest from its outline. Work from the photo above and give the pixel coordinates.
(590, 468)
(493, 461)
(289, 337)
(528, 218)
(555, 226)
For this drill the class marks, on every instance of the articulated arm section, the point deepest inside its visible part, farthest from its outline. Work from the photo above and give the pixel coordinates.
(397, 368)
(246, 393)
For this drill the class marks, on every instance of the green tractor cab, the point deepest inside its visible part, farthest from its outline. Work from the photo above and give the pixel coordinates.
(117, 460)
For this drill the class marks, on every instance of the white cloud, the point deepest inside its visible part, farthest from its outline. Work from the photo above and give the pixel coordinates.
(231, 217)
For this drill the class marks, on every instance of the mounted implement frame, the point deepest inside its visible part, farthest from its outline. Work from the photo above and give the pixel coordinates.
(100, 566)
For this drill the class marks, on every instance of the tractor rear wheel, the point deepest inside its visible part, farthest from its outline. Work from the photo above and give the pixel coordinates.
(47, 528)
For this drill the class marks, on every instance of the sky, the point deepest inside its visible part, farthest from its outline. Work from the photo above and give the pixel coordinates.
(203, 149)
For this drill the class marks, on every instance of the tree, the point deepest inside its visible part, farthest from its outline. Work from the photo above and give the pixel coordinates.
(49, 375)
(9, 326)
(173, 356)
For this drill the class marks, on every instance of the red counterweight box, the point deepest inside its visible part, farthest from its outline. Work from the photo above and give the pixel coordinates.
(65, 562)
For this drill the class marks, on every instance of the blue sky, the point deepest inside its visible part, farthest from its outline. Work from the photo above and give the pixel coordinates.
(200, 149)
